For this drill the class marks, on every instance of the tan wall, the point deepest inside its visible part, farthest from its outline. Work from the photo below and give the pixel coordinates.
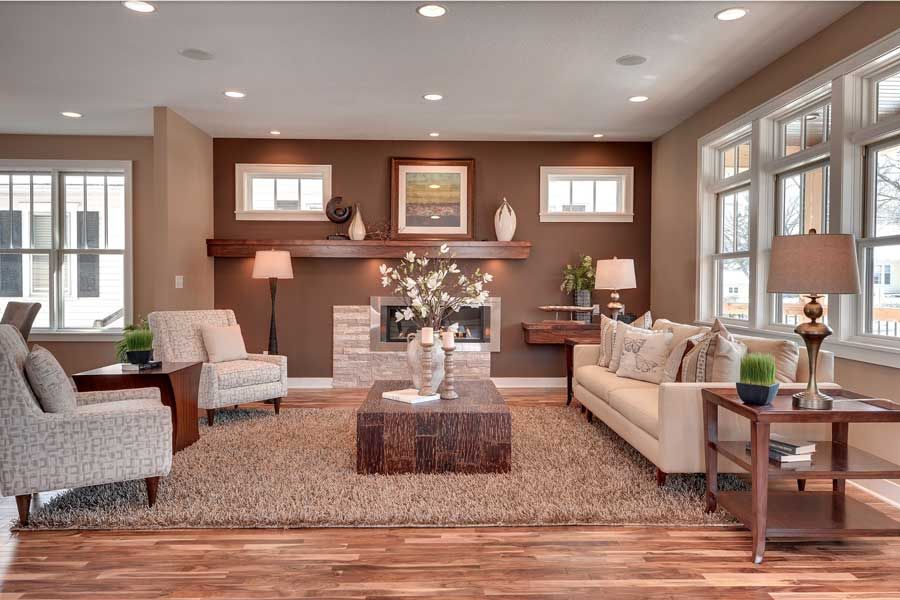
(183, 166)
(674, 180)
(76, 356)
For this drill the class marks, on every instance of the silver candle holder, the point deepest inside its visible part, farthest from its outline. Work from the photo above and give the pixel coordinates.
(427, 369)
(447, 391)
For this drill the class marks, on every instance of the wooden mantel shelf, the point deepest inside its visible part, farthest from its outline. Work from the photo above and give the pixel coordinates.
(367, 249)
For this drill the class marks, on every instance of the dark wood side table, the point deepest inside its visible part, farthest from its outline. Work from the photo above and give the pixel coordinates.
(570, 343)
(178, 384)
(799, 514)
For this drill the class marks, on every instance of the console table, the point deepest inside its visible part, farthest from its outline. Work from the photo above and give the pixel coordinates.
(799, 514)
(556, 332)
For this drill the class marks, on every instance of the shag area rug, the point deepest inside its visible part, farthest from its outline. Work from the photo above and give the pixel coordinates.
(255, 469)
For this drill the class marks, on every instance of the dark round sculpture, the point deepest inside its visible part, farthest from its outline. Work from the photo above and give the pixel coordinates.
(337, 213)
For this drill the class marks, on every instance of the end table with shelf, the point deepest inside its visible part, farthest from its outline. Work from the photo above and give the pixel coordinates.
(799, 514)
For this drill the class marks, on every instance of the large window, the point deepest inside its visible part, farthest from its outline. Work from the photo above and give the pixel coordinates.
(63, 243)
(880, 244)
(732, 259)
(586, 194)
(282, 192)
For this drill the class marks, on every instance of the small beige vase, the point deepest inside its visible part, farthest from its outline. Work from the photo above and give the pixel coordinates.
(357, 231)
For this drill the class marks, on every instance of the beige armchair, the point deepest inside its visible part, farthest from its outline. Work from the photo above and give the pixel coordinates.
(260, 377)
(110, 436)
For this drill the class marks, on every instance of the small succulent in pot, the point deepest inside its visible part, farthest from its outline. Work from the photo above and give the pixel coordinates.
(757, 385)
(138, 346)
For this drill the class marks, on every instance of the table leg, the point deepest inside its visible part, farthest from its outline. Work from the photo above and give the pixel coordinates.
(570, 359)
(840, 433)
(759, 451)
(711, 434)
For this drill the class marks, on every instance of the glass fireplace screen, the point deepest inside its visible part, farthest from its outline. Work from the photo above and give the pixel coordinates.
(474, 324)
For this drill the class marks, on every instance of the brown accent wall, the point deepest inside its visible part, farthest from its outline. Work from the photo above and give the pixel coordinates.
(77, 356)
(361, 174)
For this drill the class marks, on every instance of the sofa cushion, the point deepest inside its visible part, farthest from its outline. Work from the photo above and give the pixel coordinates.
(680, 331)
(639, 405)
(715, 358)
(785, 352)
(600, 381)
(240, 373)
(49, 381)
(644, 355)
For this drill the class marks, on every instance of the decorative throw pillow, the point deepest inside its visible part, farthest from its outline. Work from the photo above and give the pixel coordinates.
(645, 321)
(49, 381)
(681, 331)
(644, 354)
(609, 330)
(679, 349)
(699, 365)
(223, 343)
(618, 338)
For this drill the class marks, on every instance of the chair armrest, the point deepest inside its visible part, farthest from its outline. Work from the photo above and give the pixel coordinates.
(88, 398)
(270, 358)
(585, 354)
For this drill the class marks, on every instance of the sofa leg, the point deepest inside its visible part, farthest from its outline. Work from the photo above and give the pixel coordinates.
(660, 477)
(277, 402)
(23, 503)
(210, 416)
(801, 485)
(590, 417)
(152, 489)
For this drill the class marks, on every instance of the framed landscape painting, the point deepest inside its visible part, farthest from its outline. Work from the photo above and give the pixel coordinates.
(432, 199)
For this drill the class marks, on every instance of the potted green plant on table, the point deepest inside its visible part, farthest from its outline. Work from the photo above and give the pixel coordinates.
(578, 280)
(136, 345)
(757, 385)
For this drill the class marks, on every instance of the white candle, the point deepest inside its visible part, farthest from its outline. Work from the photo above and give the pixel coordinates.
(427, 336)
(449, 339)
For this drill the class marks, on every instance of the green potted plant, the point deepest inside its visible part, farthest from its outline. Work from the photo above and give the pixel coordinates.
(578, 280)
(136, 345)
(757, 385)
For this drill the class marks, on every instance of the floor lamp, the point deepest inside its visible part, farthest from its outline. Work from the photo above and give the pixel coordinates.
(272, 265)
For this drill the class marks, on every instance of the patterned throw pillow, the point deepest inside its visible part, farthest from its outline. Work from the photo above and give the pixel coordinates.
(609, 329)
(679, 349)
(49, 381)
(618, 338)
(715, 357)
(644, 354)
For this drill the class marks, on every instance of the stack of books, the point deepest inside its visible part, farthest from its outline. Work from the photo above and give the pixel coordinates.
(409, 396)
(786, 451)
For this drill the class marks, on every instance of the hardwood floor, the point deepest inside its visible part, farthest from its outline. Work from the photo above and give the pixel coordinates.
(552, 562)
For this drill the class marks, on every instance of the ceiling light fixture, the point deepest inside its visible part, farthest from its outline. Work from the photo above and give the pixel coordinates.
(433, 97)
(275, 132)
(435, 217)
(235, 94)
(434, 186)
(598, 135)
(138, 6)
(71, 114)
(732, 14)
(431, 10)
(195, 54)
(638, 99)
(434, 134)
(631, 60)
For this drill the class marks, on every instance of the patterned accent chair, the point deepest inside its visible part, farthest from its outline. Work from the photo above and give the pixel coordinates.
(110, 436)
(258, 378)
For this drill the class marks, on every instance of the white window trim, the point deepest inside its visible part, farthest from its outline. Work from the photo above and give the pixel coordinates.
(86, 166)
(242, 210)
(625, 175)
(848, 82)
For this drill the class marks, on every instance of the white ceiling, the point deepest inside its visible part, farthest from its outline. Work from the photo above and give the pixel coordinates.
(357, 70)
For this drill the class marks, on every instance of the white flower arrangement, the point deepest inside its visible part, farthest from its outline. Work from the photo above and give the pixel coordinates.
(434, 287)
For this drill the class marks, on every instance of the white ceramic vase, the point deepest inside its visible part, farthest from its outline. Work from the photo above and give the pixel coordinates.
(357, 231)
(505, 222)
(414, 358)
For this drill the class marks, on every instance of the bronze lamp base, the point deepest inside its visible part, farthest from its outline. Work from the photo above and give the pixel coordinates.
(813, 333)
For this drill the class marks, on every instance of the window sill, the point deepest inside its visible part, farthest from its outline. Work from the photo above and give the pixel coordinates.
(279, 215)
(75, 335)
(587, 218)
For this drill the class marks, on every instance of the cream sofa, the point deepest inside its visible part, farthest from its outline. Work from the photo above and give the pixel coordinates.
(664, 422)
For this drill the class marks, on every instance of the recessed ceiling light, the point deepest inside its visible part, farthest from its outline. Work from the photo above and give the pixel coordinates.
(433, 97)
(431, 10)
(138, 6)
(275, 132)
(435, 217)
(71, 114)
(235, 94)
(434, 134)
(638, 99)
(631, 60)
(434, 186)
(598, 135)
(732, 14)
(195, 54)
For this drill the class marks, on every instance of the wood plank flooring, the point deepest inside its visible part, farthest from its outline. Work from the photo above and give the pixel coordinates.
(533, 563)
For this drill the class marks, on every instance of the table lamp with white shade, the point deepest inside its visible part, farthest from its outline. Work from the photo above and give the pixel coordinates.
(813, 265)
(615, 274)
(272, 265)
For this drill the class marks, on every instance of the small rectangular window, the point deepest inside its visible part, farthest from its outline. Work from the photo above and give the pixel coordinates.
(734, 159)
(282, 192)
(586, 194)
(806, 130)
(887, 97)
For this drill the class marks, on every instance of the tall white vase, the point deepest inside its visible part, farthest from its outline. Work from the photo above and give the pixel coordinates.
(505, 222)
(357, 231)
(414, 359)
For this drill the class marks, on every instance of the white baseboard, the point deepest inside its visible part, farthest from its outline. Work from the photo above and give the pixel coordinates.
(529, 382)
(883, 489)
(309, 382)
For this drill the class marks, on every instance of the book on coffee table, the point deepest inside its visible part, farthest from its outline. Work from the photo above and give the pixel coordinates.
(409, 396)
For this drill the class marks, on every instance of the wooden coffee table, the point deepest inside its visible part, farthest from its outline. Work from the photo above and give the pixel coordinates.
(178, 384)
(467, 435)
(800, 514)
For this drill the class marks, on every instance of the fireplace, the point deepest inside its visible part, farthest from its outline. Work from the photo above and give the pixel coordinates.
(479, 326)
